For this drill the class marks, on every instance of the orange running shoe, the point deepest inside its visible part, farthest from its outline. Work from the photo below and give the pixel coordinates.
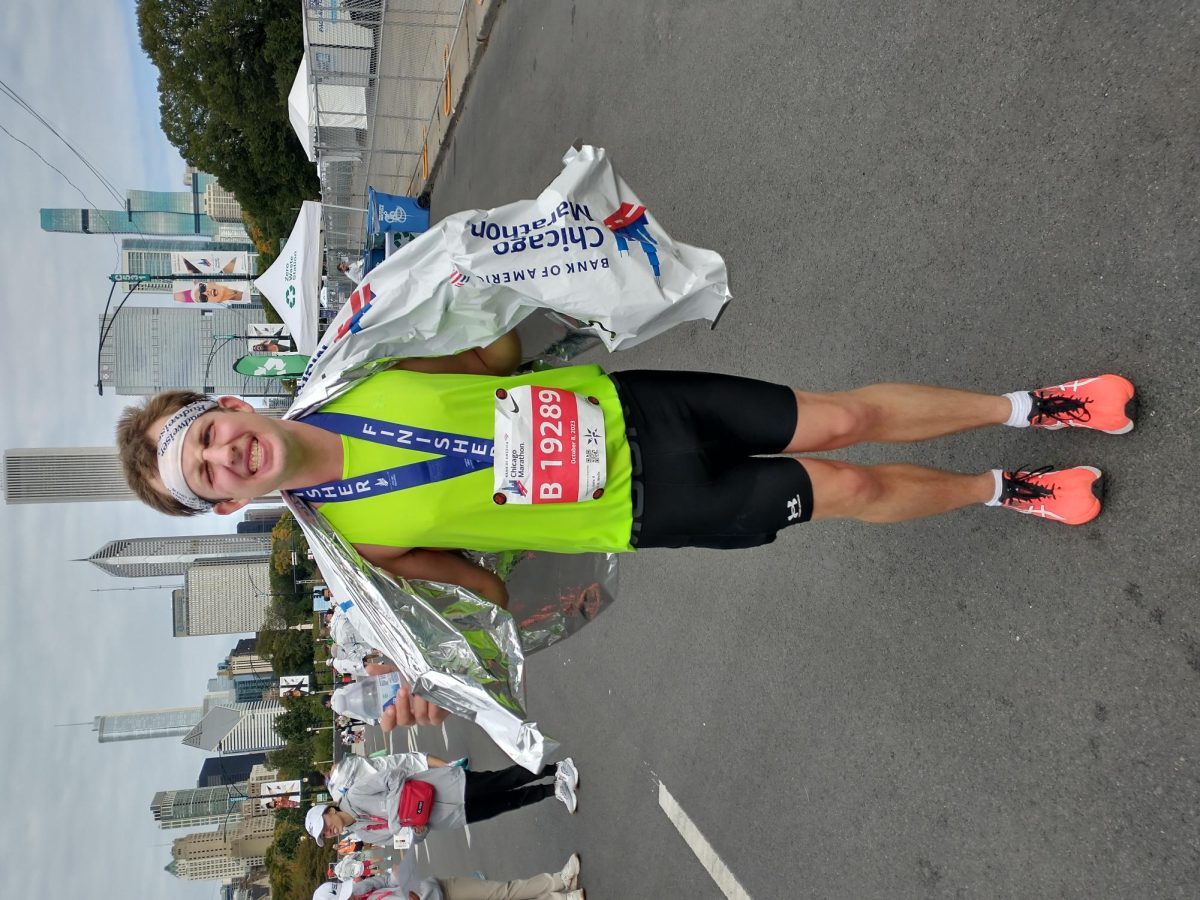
(1104, 403)
(1070, 496)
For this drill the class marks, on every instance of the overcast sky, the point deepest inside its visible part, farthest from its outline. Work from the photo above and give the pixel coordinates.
(79, 811)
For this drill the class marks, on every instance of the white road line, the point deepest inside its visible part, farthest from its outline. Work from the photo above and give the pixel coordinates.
(687, 829)
(445, 739)
(467, 832)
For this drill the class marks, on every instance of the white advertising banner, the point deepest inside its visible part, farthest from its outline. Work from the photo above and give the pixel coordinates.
(294, 686)
(279, 795)
(201, 263)
(268, 337)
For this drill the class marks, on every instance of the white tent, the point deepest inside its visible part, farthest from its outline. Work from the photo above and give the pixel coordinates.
(315, 106)
(293, 283)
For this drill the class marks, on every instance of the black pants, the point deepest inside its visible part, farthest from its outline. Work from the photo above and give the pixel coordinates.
(488, 794)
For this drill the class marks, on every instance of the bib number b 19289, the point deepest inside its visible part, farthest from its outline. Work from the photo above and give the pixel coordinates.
(549, 446)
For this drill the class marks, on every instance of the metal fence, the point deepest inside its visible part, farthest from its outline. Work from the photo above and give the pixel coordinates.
(378, 79)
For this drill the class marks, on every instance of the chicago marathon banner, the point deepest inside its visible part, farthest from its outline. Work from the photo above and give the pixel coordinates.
(586, 247)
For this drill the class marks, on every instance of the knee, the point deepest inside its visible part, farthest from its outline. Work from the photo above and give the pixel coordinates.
(838, 420)
(845, 491)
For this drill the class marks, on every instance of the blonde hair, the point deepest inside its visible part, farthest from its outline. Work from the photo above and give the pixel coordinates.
(139, 451)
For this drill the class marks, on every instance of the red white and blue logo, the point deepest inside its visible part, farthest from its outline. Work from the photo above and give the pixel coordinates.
(629, 223)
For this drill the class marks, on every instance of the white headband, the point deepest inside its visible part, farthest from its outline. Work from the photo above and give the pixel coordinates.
(170, 454)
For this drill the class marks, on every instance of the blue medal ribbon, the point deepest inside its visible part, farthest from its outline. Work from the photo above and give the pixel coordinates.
(458, 454)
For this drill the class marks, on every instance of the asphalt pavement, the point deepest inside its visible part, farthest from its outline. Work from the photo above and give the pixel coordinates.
(990, 195)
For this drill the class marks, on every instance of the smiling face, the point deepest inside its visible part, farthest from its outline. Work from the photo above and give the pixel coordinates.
(234, 454)
(215, 292)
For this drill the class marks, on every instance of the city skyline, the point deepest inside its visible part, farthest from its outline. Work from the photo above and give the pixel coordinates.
(104, 101)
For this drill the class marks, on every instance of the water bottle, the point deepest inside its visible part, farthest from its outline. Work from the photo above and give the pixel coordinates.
(367, 698)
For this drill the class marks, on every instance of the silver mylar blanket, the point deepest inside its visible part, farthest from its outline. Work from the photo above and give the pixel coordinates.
(453, 648)
(586, 248)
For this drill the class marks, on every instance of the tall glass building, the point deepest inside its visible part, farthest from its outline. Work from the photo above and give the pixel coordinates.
(146, 724)
(174, 213)
(191, 807)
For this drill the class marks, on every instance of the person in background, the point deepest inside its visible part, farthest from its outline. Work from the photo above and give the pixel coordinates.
(403, 883)
(367, 795)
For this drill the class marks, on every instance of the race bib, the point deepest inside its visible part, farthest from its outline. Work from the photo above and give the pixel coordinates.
(549, 446)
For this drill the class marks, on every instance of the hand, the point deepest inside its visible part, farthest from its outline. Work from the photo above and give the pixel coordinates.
(409, 709)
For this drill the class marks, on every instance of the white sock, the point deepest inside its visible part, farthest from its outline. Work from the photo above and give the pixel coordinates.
(1022, 406)
(998, 475)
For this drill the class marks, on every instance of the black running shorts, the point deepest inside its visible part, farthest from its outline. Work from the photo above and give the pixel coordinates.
(697, 441)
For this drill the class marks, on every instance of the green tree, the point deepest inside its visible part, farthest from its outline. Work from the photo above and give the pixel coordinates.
(290, 652)
(225, 69)
(298, 716)
(296, 759)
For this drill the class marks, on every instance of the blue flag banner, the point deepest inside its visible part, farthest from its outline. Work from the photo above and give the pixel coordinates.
(392, 212)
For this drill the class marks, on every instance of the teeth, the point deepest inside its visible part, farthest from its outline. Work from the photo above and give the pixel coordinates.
(255, 456)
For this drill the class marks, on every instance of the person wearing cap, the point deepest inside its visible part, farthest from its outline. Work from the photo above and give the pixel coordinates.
(403, 883)
(367, 794)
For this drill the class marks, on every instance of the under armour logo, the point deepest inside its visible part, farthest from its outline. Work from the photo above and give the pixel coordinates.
(795, 510)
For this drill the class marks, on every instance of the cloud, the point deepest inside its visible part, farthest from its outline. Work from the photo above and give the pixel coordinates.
(74, 653)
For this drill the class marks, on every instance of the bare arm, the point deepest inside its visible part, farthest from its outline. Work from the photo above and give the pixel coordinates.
(435, 762)
(501, 357)
(436, 565)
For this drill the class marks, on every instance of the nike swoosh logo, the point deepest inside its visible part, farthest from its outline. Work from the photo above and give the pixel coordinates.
(515, 408)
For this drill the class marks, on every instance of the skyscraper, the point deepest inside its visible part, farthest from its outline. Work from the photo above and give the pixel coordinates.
(191, 807)
(243, 659)
(234, 848)
(159, 557)
(155, 348)
(228, 769)
(221, 205)
(63, 475)
(238, 728)
(146, 724)
(258, 521)
(222, 598)
(212, 855)
(70, 475)
(173, 213)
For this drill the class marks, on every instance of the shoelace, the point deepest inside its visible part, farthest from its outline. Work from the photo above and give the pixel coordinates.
(1019, 485)
(1059, 407)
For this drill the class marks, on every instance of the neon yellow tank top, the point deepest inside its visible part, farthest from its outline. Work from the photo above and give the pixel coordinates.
(459, 512)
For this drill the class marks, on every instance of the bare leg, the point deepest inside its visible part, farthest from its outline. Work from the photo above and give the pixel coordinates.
(890, 493)
(889, 413)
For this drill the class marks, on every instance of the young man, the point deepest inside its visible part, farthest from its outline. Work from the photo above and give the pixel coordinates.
(682, 461)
